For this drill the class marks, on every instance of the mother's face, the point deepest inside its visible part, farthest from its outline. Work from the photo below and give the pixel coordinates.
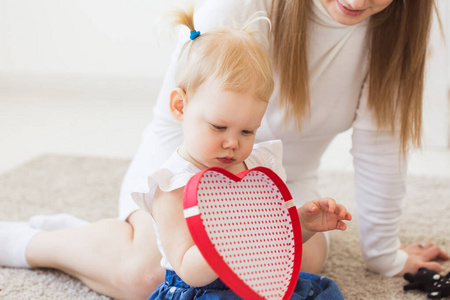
(351, 12)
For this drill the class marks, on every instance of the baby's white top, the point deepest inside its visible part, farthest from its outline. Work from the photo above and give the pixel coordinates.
(176, 172)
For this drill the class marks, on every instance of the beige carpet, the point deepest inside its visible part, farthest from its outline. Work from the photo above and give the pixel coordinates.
(88, 188)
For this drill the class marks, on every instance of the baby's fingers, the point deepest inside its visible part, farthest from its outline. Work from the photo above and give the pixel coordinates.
(348, 216)
(341, 226)
(310, 207)
(328, 203)
(342, 212)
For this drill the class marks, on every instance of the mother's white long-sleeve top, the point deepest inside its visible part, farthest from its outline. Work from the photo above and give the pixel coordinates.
(338, 68)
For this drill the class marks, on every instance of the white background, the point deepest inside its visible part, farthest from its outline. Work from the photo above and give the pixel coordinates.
(79, 77)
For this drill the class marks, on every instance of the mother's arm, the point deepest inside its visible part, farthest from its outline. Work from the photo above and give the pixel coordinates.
(380, 188)
(380, 174)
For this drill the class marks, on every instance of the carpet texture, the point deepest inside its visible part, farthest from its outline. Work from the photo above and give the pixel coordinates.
(88, 188)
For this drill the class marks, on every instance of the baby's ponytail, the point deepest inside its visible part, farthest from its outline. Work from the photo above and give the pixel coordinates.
(185, 17)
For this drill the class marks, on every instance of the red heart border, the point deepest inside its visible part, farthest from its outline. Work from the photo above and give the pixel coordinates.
(201, 237)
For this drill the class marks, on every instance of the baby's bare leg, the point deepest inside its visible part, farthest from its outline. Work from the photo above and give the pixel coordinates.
(115, 258)
(314, 254)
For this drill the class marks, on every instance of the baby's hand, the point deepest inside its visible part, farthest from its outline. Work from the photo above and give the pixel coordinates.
(323, 215)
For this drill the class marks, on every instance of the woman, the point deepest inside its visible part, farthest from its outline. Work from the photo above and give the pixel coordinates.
(338, 64)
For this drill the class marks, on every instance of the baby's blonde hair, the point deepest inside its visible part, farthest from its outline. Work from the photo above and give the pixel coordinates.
(230, 55)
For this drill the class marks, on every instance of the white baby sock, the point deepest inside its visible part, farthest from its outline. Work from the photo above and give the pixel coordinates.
(14, 239)
(55, 222)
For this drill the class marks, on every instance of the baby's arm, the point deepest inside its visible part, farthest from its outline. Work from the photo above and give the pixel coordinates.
(322, 215)
(180, 249)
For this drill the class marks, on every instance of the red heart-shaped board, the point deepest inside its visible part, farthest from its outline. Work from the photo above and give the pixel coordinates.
(247, 228)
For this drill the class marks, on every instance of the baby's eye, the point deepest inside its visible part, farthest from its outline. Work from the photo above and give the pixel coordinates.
(218, 127)
(247, 132)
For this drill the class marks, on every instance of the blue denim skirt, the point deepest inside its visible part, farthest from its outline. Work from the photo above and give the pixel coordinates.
(309, 286)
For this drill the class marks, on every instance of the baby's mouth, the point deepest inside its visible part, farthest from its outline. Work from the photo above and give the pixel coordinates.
(226, 159)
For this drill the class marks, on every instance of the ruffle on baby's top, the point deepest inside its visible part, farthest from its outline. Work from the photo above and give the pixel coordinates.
(174, 174)
(176, 171)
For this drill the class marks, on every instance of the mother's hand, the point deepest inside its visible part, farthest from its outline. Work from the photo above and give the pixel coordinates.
(422, 255)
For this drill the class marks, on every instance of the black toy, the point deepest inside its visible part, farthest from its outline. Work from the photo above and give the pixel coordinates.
(441, 288)
(434, 284)
(423, 280)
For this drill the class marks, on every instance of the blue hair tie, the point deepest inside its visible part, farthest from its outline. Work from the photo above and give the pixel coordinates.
(194, 34)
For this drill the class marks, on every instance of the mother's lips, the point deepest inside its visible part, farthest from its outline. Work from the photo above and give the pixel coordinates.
(350, 12)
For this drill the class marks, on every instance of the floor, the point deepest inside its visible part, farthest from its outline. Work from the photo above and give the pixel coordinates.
(105, 118)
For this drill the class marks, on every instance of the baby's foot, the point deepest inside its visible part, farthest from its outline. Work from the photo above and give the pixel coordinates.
(14, 239)
(55, 222)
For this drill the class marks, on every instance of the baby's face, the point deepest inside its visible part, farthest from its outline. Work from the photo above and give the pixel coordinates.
(219, 126)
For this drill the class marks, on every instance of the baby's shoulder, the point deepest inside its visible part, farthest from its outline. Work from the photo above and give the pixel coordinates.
(269, 148)
(268, 154)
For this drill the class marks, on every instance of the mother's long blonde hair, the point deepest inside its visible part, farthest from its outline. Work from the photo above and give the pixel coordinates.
(398, 46)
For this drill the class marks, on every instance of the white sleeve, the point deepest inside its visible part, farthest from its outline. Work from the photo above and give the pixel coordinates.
(380, 188)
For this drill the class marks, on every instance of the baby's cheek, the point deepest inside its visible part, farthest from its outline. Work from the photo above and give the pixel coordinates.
(247, 151)
(208, 148)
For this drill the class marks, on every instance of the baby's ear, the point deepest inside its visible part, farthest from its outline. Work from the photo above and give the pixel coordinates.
(178, 101)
